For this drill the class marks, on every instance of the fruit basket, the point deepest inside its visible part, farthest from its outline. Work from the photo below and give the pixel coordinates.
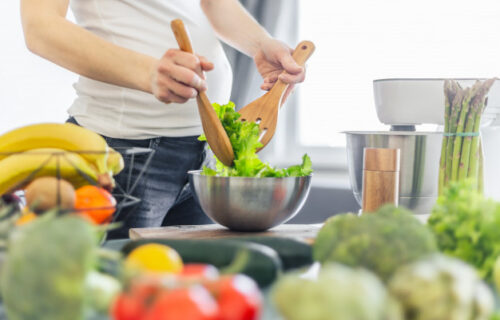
(63, 166)
(70, 168)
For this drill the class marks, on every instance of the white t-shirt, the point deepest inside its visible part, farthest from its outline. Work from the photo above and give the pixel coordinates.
(144, 26)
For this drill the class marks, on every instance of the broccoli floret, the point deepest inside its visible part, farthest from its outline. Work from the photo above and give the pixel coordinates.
(338, 292)
(380, 242)
(46, 266)
(441, 287)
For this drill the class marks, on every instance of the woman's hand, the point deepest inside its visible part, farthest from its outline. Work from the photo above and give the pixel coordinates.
(272, 59)
(178, 76)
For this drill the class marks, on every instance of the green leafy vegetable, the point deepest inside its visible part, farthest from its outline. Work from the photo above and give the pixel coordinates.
(467, 226)
(244, 137)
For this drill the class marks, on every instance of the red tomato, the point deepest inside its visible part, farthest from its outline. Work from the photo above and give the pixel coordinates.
(127, 307)
(145, 290)
(192, 303)
(238, 297)
(133, 304)
(199, 270)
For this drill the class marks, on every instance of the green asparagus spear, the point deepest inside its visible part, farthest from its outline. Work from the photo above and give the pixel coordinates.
(457, 143)
(476, 106)
(449, 95)
(475, 149)
(454, 114)
(480, 171)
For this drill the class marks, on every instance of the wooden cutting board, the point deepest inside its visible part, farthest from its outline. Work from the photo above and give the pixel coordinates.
(305, 232)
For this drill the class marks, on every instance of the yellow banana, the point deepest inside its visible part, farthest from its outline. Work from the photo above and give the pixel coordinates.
(115, 161)
(18, 169)
(67, 136)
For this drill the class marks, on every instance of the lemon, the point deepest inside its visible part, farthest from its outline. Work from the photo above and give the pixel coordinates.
(154, 257)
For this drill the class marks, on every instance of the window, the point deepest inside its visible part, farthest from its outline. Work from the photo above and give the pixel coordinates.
(31, 88)
(358, 41)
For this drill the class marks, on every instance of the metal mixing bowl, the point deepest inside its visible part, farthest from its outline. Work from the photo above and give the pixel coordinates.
(250, 204)
(420, 154)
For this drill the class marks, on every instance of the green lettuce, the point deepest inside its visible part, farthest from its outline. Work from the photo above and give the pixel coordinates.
(244, 137)
(466, 225)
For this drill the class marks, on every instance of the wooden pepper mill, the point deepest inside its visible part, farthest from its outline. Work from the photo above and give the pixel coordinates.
(380, 178)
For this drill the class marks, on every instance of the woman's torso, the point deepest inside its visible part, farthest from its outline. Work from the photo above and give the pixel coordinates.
(144, 26)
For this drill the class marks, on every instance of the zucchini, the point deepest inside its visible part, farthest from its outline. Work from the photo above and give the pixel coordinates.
(293, 253)
(264, 264)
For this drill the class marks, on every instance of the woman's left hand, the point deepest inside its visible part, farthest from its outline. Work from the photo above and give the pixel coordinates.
(272, 59)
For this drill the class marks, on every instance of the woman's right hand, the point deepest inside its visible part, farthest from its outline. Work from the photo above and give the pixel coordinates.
(178, 76)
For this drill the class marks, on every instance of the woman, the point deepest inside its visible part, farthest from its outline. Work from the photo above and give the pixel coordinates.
(136, 88)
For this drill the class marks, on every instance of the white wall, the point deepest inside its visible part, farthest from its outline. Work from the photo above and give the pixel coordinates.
(31, 89)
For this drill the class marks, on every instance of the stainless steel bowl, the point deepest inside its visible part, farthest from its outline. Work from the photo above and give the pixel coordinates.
(420, 154)
(250, 204)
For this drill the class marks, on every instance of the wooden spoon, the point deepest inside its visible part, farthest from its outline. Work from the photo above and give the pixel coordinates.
(264, 110)
(212, 127)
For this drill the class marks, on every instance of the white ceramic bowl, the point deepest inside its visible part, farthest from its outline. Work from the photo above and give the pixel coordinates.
(421, 101)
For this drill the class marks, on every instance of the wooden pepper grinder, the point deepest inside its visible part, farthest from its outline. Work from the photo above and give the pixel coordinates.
(380, 178)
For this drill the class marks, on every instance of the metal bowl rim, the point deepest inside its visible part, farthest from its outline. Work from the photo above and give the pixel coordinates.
(394, 133)
(198, 173)
(426, 79)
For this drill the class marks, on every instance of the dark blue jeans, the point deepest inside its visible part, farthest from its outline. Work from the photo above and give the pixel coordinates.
(166, 197)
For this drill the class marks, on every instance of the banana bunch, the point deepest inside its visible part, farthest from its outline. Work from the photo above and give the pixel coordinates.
(66, 150)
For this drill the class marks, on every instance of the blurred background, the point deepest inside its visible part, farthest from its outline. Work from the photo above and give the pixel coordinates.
(356, 41)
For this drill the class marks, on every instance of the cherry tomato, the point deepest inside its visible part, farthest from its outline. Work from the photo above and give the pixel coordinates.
(238, 298)
(127, 307)
(191, 303)
(199, 271)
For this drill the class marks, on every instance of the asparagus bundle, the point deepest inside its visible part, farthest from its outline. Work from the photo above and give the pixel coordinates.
(461, 153)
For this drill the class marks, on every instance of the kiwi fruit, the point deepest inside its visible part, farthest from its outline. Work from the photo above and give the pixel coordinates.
(47, 193)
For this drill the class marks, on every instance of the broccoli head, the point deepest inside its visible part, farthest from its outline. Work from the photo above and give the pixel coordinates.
(441, 287)
(381, 241)
(338, 292)
(47, 263)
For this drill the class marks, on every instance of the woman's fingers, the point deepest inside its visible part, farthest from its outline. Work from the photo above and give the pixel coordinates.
(182, 74)
(270, 80)
(184, 59)
(205, 64)
(290, 65)
(293, 78)
(293, 72)
(170, 90)
(179, 76)
(180, 89)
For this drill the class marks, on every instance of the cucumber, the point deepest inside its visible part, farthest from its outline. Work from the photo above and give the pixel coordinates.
(293, 253)
(264, 264)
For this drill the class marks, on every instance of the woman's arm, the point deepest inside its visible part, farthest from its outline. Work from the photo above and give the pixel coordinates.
(49, 34)
(235, 26)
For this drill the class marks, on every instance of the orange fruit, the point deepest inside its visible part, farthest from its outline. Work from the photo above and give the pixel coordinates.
(153, 257)
(95, 203)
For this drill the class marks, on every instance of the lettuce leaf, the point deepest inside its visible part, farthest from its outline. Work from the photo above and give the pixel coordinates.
(466, 226)
(244, 137)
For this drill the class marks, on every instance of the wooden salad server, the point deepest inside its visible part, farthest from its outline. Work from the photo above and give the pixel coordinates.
(264, 110)
(212, 127)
